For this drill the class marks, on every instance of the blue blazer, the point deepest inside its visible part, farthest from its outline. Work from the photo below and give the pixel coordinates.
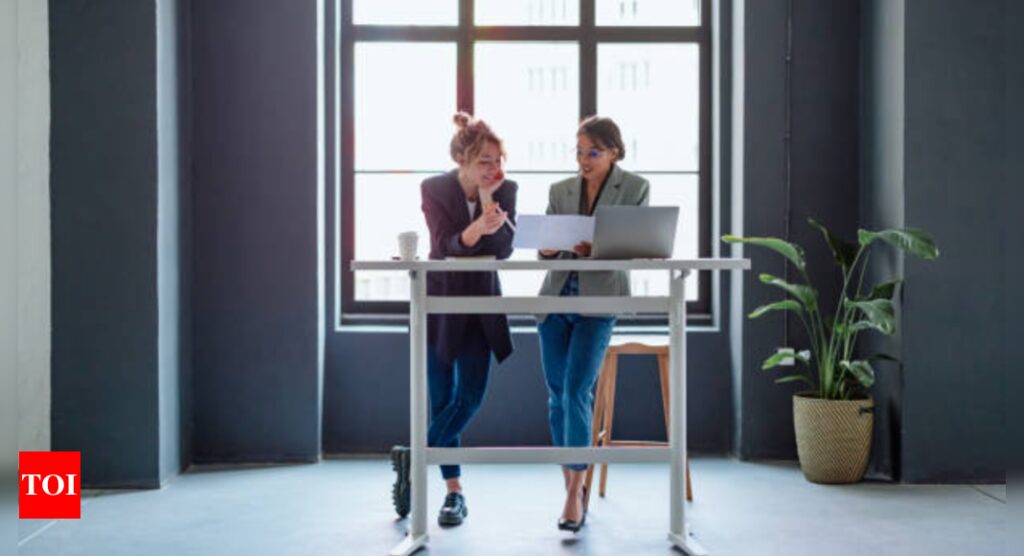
(444, 206)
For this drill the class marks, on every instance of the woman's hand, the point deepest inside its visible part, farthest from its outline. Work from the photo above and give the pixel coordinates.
(489, 222)
(492, 219)
(488, 190)
(582, 249)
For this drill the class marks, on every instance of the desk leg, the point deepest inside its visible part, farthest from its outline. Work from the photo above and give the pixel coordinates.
(417, 537)
(679, 533)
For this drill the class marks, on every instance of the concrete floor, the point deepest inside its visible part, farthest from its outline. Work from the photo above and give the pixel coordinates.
(341, 507)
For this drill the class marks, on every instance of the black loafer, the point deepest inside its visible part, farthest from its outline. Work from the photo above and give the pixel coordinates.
(400, 463)
(453, 511)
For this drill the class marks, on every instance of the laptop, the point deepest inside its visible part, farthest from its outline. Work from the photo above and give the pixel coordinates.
(628, 232)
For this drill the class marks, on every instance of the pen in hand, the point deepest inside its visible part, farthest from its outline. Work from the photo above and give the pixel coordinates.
(489, 205)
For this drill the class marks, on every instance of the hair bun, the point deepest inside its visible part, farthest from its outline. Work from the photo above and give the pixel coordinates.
(470, 137)
(462, 119)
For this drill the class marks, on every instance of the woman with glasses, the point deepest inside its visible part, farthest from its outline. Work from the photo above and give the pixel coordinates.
(572, 345)
(470, 211)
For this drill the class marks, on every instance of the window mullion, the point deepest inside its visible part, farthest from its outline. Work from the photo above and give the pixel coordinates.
(464, 72)
(588, 60)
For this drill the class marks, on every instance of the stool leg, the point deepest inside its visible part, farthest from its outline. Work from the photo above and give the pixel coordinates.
(663, 377)
(596, 424)
(609, 413)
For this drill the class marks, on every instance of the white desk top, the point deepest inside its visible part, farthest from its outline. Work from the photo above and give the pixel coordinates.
(477, 265)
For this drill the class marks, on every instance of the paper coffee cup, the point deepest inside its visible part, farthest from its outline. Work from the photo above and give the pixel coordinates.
(407, 245)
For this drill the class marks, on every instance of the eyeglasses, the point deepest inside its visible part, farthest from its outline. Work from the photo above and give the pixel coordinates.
(592, 154)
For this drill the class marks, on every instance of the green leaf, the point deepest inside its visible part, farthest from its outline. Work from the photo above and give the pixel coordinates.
(915, 242)
(778, 357)
(857, 327)
(791, 251)
(805, 294)
(774, 360)
(843, 251)
(883, 291)
(861, 370)
(794, 378)
(784, 305)
(879, 314)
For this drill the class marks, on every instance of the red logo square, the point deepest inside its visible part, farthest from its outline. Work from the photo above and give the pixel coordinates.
(49, 485)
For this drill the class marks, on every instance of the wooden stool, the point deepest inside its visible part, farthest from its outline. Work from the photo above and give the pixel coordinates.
(604, 400)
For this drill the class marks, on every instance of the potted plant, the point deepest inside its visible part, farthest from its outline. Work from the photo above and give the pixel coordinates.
(833, 420)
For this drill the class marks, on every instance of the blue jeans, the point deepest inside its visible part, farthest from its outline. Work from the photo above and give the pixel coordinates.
(455, 394)
(572, 350)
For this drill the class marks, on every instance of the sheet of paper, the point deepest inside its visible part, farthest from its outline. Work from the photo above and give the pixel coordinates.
(552, 231)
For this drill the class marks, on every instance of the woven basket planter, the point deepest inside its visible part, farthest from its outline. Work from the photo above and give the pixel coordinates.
(833, 438)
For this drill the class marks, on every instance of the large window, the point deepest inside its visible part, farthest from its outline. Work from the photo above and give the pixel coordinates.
(532, 69)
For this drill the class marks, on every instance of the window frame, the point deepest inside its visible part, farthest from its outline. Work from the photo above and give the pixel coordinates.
(341, 38)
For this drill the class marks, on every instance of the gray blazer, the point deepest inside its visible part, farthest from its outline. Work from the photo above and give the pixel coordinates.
(622, 188)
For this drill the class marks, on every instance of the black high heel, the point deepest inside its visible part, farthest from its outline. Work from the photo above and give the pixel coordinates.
(570, 525)
(574, 526)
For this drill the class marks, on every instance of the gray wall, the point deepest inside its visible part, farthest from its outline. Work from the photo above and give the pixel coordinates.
(881, 198)
(1013, 307)
(168, 237)
(955, 150)
(366, 393)
(824, 175)
(186, 265)
(9, 246)
(764, 428)
(253, 125)
(31, 212)
(113, 182)
(936, 142)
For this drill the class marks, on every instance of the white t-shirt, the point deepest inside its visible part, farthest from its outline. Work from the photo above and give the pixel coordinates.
(472, 209)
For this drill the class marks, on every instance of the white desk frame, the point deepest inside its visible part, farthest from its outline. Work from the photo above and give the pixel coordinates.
(421, 305)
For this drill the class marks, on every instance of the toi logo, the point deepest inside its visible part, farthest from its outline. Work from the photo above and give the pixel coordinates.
(49, 485)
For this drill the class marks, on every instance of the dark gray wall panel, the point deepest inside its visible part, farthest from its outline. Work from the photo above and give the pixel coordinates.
(1013, 351)
(955, 155)
(256, 390)
(767, 429)
(104, 218)
(881, 194)
(824, 170)
(367, 396)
